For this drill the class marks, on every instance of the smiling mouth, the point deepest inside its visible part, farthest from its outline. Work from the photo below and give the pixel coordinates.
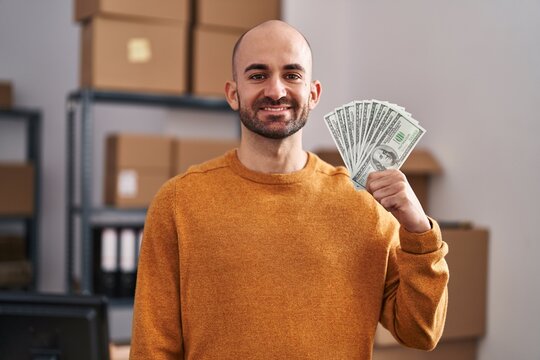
(275, 109)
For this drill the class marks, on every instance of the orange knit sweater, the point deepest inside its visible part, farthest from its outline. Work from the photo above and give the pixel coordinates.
(237, 264)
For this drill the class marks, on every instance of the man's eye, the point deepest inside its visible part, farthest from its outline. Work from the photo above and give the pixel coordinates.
(256, 77)
(293, 76)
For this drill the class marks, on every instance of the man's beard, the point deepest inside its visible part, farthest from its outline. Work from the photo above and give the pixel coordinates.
(298, 120)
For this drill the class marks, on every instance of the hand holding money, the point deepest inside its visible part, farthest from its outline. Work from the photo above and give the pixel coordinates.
(374, 138)
(391, 189)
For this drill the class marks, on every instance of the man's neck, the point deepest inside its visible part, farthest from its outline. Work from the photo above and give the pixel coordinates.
(265, 155)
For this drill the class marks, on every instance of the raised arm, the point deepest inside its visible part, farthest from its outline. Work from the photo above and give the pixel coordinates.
(415, 294)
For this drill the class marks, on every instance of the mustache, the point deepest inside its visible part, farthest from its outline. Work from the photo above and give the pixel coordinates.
(266, 101)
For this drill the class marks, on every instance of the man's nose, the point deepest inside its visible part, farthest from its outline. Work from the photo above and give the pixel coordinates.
(275, 89)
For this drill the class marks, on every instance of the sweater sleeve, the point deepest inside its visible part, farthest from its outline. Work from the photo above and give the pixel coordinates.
(416, 294)
(157, 328)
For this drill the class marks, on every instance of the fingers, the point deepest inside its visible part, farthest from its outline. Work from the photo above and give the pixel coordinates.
(391, 195)
(381, 179)
(389, 188)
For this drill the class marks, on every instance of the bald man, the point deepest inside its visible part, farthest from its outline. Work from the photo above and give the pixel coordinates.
(267, 252)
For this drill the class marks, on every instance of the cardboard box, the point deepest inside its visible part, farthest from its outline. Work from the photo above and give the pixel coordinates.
(219, 24)
(450, 350)
(12, 248)
(135, 168)
(6, 94)
(138, 150)
(178, 10)
(188, 152)
(212, 60)
(419, 167)
(134, 188)
(239, 14)
(467, 287)
(16, 189)
(15, 274)
(122, 55)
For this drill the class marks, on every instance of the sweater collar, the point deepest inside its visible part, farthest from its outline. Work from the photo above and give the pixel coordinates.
(270, 178)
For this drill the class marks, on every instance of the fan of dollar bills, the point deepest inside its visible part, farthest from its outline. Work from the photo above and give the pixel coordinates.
(372, 135)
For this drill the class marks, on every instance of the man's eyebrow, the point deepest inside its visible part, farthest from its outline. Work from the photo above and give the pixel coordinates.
(266, 67)
(294, 67)
(256, 67)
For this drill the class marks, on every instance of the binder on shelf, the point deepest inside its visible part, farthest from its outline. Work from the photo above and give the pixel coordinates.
(108, 263)
(115, 250)
(127, 262)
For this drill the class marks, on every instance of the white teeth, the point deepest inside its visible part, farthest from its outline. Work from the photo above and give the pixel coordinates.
(274, 109)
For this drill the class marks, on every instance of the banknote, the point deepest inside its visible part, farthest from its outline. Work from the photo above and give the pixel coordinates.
(372, 135)
(332, 124)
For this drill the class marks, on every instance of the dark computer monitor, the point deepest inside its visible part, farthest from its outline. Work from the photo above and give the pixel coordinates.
(53, 327)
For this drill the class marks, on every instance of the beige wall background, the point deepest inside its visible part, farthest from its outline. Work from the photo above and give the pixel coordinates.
(467, 70)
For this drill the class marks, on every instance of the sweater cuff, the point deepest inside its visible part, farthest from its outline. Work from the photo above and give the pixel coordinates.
(421, 243)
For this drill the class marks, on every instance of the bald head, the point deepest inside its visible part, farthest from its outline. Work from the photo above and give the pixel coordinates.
(273, 89)
(275, 32)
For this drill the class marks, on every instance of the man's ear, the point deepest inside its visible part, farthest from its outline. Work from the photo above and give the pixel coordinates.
(231, 94)
(315, 94)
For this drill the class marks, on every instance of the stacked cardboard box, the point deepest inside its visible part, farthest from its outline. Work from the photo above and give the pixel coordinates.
(218, 25)
(12, 248)
(15, 269)
(135, 166)
(142, 46)
(16, 189)
(6, 95)
(138, 165)
(134, 45)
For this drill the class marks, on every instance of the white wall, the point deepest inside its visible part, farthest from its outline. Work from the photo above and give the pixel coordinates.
(467, 70)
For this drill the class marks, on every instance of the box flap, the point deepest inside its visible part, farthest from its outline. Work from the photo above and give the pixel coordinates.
(238, 14)
(157, 10)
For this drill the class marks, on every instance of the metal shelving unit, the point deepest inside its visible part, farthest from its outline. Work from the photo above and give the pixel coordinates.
(84, 210)
(32, 118)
